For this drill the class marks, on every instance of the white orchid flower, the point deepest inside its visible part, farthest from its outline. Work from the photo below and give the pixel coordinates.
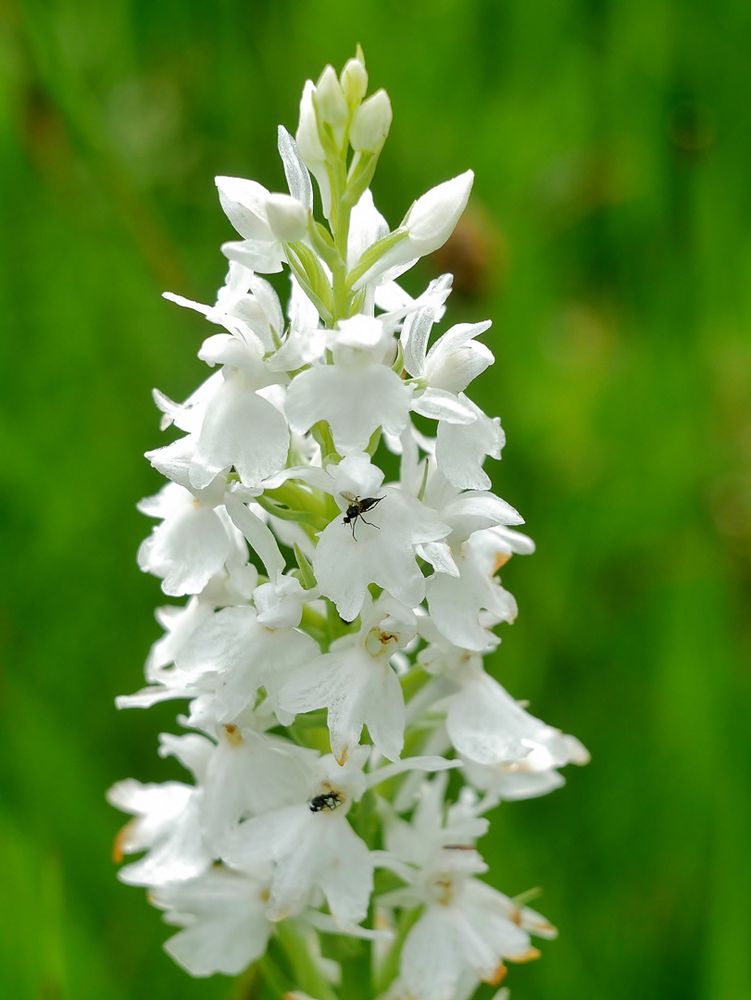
(356, 394)
(357, 682)
(242, 655)
(195, 540)
(328, 650)
(264, 220)
(224, 921)
(466, 928)
(382, 552)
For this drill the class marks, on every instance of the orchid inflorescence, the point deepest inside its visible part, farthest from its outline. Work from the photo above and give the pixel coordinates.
(344, 740)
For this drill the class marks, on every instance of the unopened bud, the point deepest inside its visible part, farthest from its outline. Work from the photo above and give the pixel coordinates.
(287, 218)
(371, 123)
(431, 219)
(426, 227)
(329, 100)
(308, 142)
(354, 80)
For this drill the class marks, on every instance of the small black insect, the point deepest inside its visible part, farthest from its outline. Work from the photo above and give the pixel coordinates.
(356, 508)
(327, 800)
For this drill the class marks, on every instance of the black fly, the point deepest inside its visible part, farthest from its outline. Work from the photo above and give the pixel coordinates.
(328, 800)
(357, 507)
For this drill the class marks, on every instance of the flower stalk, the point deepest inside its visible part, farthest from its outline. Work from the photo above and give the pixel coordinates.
(343, 739)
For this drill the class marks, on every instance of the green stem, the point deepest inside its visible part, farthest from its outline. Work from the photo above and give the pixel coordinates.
(307, 973)
(341, 292)
(272, 975)
(302, 279)
(306, 518)
(324, 438)
(387, 972)
(339, 220)
(298, 498)
(374, 254)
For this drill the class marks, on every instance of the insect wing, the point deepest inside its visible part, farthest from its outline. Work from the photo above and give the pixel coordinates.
(367, 502)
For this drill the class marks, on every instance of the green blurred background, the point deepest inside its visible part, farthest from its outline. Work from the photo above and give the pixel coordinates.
(608, 238)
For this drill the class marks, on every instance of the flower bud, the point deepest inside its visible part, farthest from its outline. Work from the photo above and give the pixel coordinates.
(329, 100)
(354, 81)
(244, 203)
(371, 123)
(426, 227)
(308, 143)
(287, 218)
(432, 218)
